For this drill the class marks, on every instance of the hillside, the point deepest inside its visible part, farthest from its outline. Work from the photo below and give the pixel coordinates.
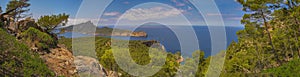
(18, 60)
(270, 43)
(138, 51)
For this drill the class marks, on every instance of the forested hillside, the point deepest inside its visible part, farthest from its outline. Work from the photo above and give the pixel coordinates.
(269, 41)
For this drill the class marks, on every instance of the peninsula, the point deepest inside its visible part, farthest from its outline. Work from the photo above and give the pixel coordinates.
(87, 28)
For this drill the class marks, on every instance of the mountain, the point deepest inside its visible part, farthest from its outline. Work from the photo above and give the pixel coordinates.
(88, 28)
(85, 28)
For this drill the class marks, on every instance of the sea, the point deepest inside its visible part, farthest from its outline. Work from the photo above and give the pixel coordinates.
(169, 40)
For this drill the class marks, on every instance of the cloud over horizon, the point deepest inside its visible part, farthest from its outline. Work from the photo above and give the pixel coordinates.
(151, 13)
(111, 14)
(82, 20)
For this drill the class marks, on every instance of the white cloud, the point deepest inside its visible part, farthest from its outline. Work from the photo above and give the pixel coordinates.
(235, 18)
(151, 13)
(213, 14)
(82, 20)
(219, 14)
(111, 14)
(95, 21)
(178, 3)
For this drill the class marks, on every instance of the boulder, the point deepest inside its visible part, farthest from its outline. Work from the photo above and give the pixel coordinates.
(88, 66)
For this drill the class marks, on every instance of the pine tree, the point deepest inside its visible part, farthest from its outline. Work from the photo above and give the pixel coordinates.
(18, 7)
(50, 22)
(259, 12)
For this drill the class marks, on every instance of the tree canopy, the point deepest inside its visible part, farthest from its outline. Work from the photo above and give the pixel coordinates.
(50, 22)
(270, 38)
(18, 7)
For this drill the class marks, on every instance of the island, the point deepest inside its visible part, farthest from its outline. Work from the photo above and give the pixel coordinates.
(87, 28)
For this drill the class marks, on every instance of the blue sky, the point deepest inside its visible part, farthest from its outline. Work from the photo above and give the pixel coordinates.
(230, 10)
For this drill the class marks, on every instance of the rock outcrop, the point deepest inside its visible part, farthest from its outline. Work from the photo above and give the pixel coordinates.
(89, 67)
(181, 59)
(139, 34)
(154, 44)
(61, 61)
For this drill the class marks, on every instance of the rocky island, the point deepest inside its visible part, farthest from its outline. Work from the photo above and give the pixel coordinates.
(87, 27)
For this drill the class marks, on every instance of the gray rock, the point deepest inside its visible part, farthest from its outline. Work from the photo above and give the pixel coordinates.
(89, 67)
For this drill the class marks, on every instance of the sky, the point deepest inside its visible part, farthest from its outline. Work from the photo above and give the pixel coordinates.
(133, 11)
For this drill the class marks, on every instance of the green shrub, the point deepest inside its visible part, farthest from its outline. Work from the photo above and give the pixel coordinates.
(35, 37)
(18, 60)
(290, 69)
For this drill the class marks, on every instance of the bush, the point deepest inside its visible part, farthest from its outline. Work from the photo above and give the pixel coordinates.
(289, 69)
(35, 38)
(18, 60)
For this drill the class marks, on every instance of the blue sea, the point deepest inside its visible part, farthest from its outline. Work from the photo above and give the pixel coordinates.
(168, 38)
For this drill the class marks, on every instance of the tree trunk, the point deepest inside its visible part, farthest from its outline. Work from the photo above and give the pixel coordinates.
(6, 13)
(269, 36)
(268, 32)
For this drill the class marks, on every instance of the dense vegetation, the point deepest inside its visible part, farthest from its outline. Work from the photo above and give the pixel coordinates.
(289, 69)
(23, 41)
(270, 39)
(18, 60)
(138, 51)
(34, 37)
(140, 55)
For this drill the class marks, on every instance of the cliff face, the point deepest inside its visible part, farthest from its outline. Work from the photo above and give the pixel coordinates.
(139, 34)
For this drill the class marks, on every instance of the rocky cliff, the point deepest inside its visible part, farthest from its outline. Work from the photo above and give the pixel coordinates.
(154, 44)
(61, 61)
